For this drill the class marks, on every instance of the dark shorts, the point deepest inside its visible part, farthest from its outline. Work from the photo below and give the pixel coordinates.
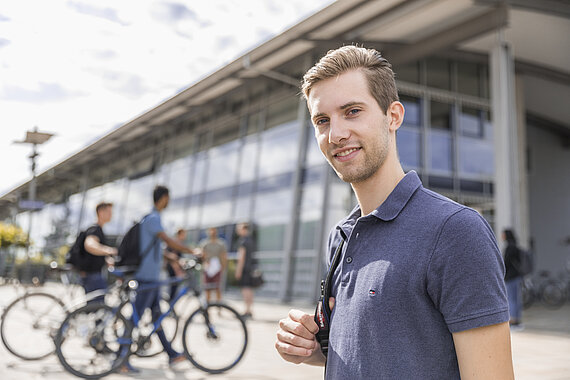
(212, 282)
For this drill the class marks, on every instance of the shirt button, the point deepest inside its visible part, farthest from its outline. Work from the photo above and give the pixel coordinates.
(349, 259)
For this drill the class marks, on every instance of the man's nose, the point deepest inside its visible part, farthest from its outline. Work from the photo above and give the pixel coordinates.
(338, 131)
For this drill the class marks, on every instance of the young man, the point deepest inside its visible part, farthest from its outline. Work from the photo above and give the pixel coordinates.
(96, 250)
(419, 291)
(214, 256)
(148, 273)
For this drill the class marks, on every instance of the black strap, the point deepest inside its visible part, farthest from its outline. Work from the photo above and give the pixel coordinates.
(323, 310)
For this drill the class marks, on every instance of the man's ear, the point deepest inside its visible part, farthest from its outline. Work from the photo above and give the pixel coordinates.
(395, 115)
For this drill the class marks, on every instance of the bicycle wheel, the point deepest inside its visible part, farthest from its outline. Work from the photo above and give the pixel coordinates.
(39, 315)
(553, 294)
(214, 338)
(93, 341)
(152, 345)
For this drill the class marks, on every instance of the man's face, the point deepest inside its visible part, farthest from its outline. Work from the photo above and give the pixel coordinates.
(106, 214)
(351, 130)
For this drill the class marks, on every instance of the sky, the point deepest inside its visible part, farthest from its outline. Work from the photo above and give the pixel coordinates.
(79, 69)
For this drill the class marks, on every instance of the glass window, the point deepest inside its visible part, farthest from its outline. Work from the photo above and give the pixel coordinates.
(139, 201)
(214, 214)
(438, 73)
(273, 207)
(242, 208)
(470, 122)
(115, 192)
(412, 107)
(93, 197)
(227, 133)
(310, 215)
(440, 148)
(282, 112)
(279, 147)
(222, 165)
(440, 115)
(252, 123)
(248, 159)
(476, 157)
(408, 73)
(468, 78)
(409, 147)
(271, 237)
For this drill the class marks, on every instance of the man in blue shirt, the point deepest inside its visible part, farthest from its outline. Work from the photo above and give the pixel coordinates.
(148, 274)
(419, 291)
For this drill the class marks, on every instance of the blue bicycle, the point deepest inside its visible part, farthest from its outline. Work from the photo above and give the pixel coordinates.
(96, 340)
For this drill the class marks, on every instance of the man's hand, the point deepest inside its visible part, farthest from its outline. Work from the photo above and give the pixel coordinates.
(296, 341)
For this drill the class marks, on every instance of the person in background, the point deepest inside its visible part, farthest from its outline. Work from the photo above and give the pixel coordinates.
(215, 260)
(148, 274)
(513, 278)
(172, 257)
(98, 252)
(245, 266)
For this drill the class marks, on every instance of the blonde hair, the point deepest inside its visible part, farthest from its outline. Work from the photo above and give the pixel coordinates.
(377, 69)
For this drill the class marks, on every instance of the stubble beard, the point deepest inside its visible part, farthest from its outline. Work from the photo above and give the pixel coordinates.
(374, 157)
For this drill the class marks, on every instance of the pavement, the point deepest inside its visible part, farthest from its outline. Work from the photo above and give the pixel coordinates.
(540, 351)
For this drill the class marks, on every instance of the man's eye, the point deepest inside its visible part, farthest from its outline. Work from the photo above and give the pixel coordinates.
(321, 121)
(353, 111)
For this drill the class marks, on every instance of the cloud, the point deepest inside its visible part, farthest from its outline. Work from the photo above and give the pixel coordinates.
(105, 54)
(90, 10)
(47, 92)
(172, 12)
(130, 85)
(4, 42)
(224, 42)
(4, 18)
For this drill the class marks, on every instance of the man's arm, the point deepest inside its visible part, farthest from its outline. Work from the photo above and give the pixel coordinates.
(240, 262)
(94, 247)
(485, 352)
(173, 243)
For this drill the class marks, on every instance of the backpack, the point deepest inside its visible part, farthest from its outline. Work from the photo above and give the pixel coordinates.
(76, 254)
(525, 262)
(129, 249)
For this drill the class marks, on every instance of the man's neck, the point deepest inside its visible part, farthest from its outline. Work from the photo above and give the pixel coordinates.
(376, 189)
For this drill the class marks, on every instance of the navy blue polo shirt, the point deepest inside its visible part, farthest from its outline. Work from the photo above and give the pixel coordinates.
(417, 269)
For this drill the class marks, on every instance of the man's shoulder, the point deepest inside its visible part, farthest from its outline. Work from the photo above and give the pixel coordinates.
(94, 229)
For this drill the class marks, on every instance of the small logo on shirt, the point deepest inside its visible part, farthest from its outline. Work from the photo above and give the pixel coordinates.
(372, 292)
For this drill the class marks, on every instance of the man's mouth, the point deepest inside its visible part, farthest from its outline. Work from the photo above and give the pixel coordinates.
(345, 153)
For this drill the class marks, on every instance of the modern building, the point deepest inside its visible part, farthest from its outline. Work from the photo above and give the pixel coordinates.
(486, 87)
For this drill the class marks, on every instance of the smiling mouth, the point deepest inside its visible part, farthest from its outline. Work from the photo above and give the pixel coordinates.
(346, 152)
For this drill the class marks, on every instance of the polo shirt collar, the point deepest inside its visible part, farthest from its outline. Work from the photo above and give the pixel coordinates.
(399, 197)
(391, 207)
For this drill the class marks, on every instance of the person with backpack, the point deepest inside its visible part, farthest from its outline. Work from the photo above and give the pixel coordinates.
(417, 290)
(95, 251)
(513, 278)
(151, 235)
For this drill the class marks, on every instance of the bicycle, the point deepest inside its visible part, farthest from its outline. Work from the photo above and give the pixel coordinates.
(544, 288)
(41, 314)
(96, 340)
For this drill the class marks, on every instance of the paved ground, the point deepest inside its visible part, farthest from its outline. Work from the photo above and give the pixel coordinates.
(540, 351)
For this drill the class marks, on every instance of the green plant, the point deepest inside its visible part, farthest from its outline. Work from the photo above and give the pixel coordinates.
(12, 235)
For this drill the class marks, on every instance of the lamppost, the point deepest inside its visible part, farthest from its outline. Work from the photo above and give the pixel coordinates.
(35, 138)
